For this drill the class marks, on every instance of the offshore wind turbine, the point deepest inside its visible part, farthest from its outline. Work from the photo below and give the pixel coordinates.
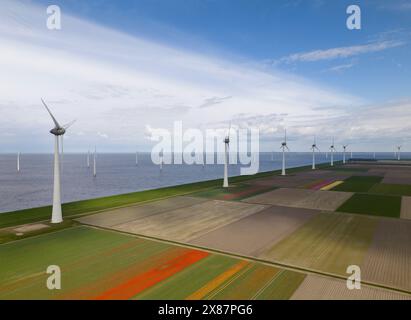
(344, 150)
(313, 148)
(94, 162)
(399, 153)
(58, 131)
(284, 146)
(136, 158)
(226, 151)
(18, 161)
(332, 149)
(161, 160)
(88, 159)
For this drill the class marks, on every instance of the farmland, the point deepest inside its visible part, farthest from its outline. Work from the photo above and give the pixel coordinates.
(138, 268)
(265, 237)
(371, 204)
(327, 242)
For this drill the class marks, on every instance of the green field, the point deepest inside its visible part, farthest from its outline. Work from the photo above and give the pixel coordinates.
(97, 264)
(327, 242)
(358, 184)
(373, 204)
(391, 189)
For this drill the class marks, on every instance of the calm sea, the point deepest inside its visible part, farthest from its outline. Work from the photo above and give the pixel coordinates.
(116, 174)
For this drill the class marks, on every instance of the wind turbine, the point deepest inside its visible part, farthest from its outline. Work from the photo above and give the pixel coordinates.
(57, 131)
(18, 161)
(284, 146)
(88, 159)
(94, 162)
(161, 160)
(226, 151)
(332, 149)
(136, 158)
(345, 149)
(399, 153)
(313, 148)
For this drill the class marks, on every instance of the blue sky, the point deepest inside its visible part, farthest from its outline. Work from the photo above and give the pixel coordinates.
(263, 30)
(125, 68)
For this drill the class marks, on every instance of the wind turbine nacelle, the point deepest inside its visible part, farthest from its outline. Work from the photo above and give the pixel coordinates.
(284, 144)
(58, 131)
(227, 140)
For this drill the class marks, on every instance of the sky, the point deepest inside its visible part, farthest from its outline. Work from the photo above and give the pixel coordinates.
(125, 69)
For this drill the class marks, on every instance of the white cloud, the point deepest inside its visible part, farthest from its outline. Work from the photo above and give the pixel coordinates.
(117, 83)
(341, 52)
(341, 67)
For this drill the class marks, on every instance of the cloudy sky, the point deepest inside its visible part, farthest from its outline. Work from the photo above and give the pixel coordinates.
(125, 68)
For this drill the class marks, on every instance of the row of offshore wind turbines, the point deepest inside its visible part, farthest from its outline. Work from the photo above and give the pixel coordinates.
(59, 130)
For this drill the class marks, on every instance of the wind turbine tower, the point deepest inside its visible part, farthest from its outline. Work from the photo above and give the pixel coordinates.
(332, 149)
(226, 155)
(313, 148)
(399, 153)
(88, 159)
(284, 147)
(58, 131)
(344, 150)
(94, 162)
(18, 161)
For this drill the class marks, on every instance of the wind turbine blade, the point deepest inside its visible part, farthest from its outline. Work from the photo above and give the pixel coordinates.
(68, 125)
(287, 149)
(318, 149)
(51, 115)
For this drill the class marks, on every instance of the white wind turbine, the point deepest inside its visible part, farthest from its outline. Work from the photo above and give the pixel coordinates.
(88, 159)
(161, 160)
(57, 131)
(399, 153)
(136, 158)
(332, 149)
(226, 157)
(95, 162)
(313, 148)
(284, 146)
(18, 161)
(344, 151)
